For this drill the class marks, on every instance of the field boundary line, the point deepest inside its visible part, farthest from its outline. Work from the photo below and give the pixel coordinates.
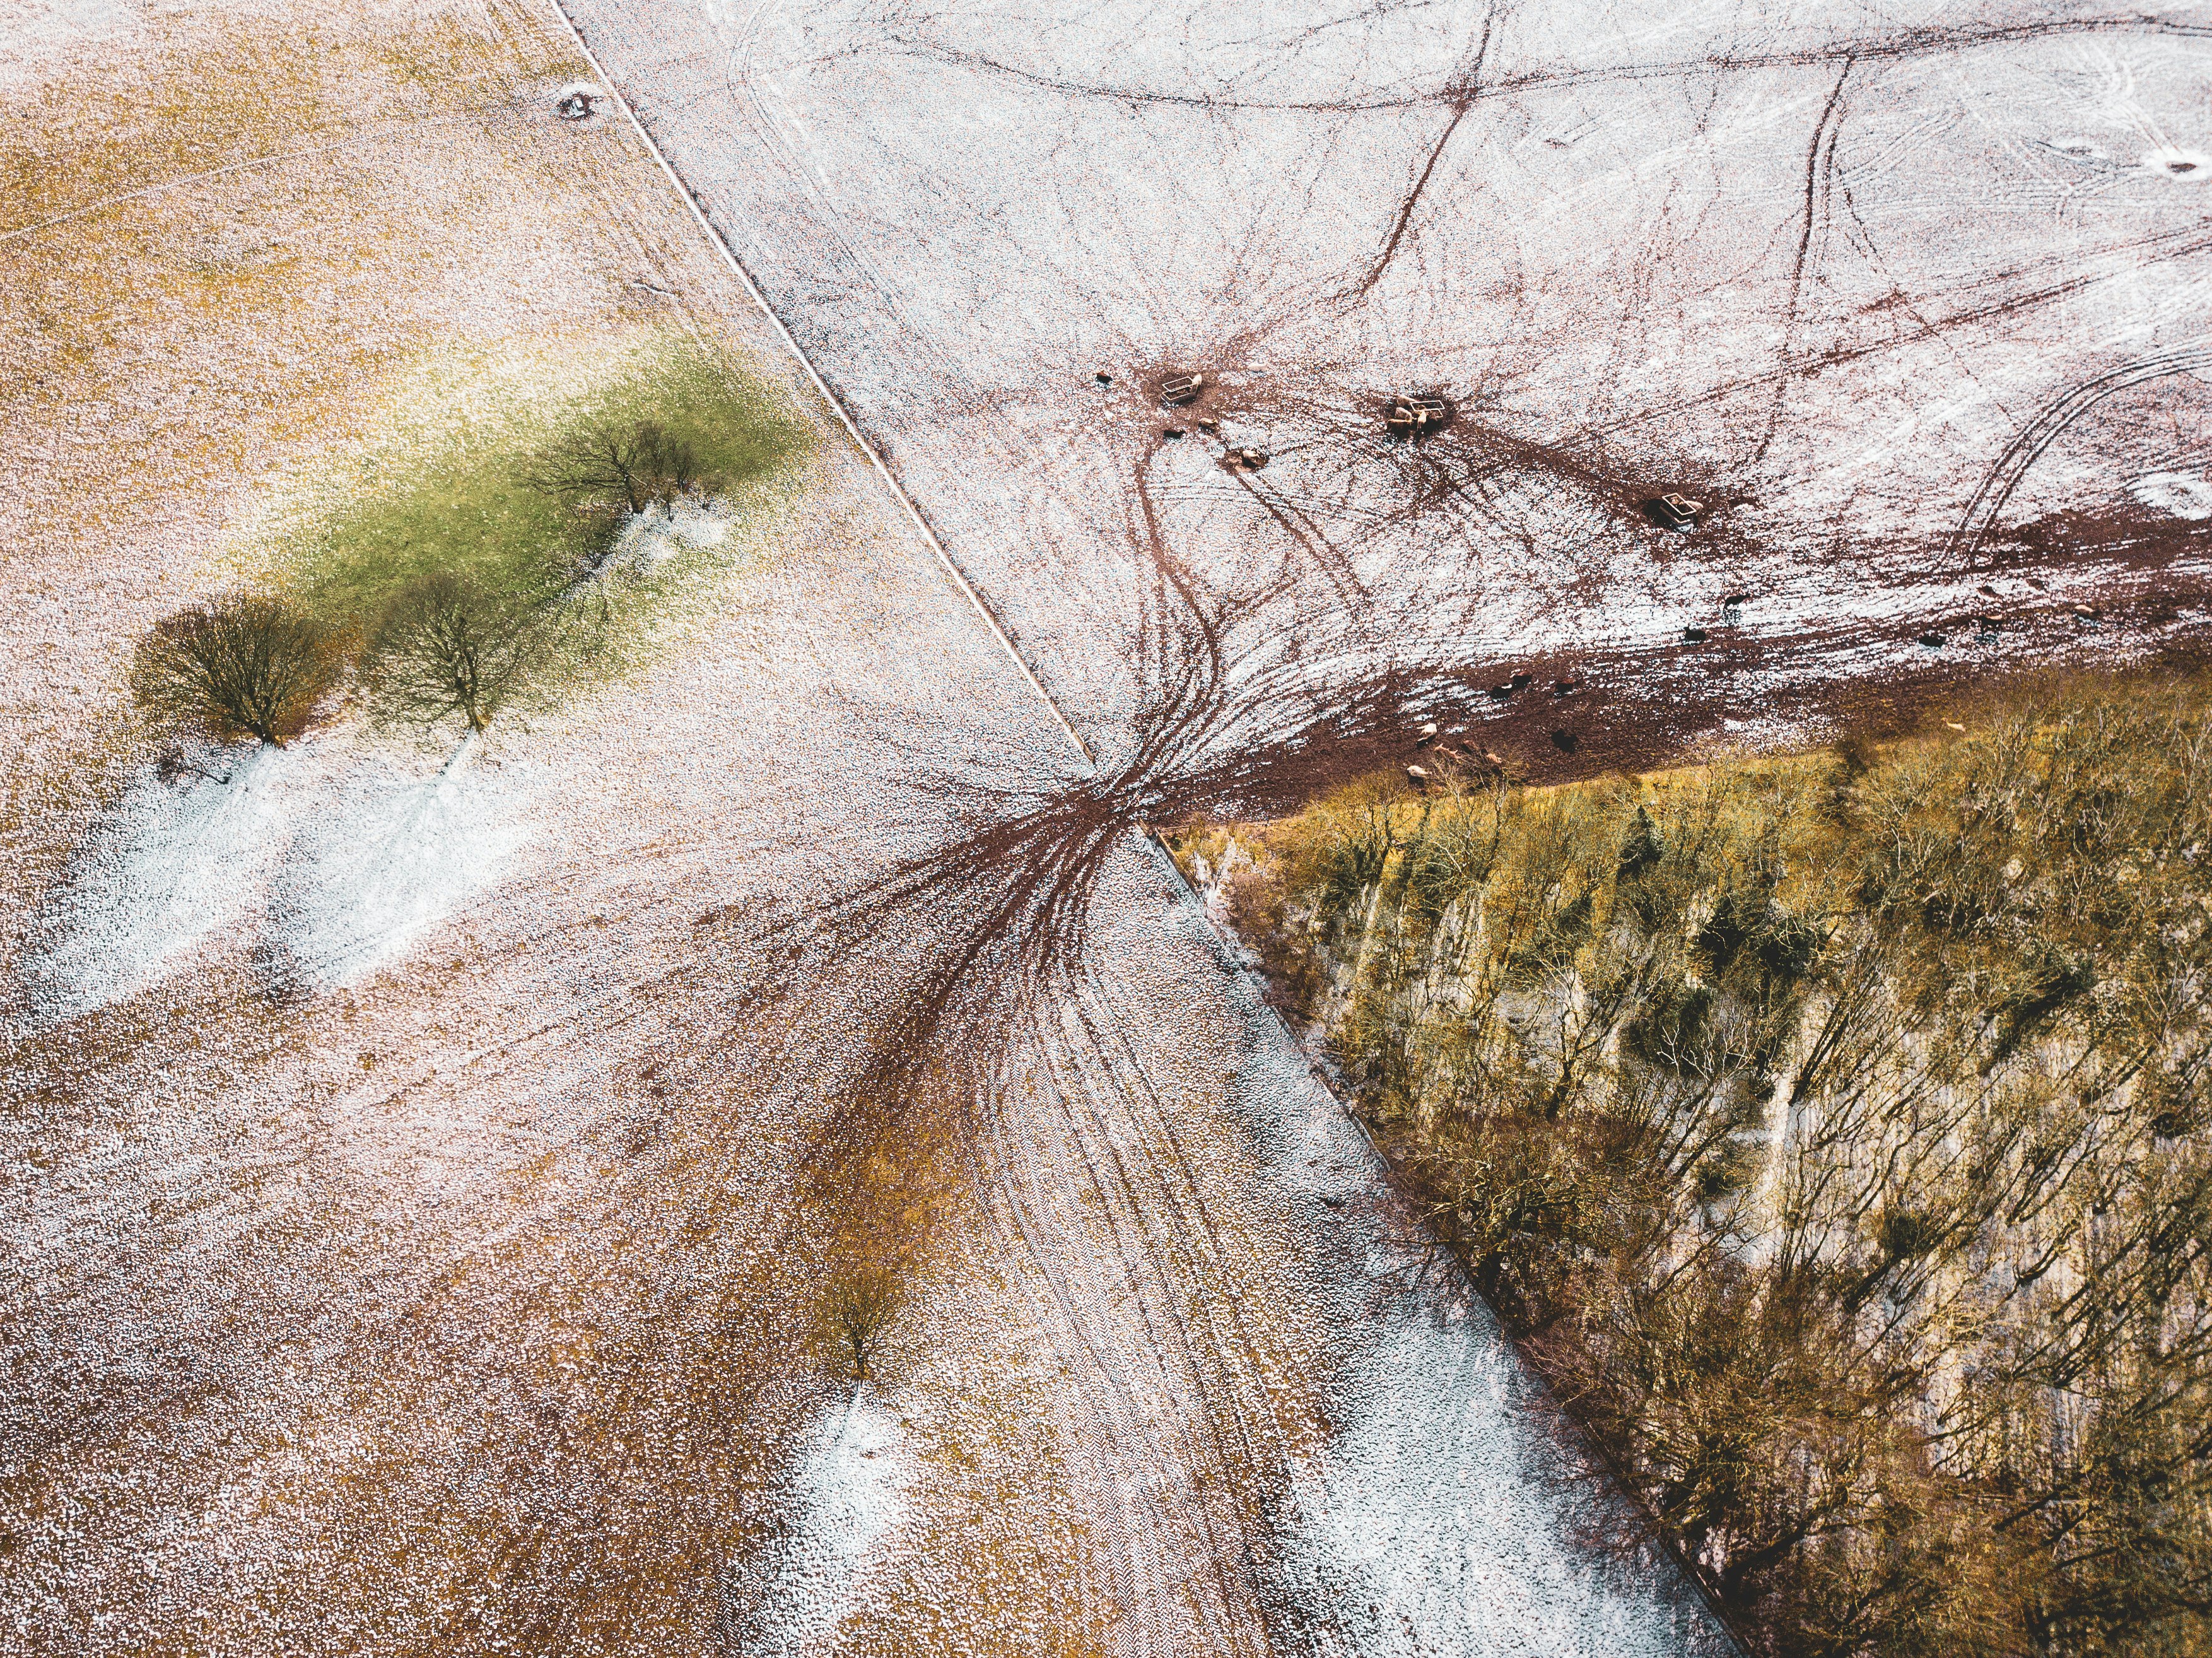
(1253, 977)
(837, 404)
(365, 135)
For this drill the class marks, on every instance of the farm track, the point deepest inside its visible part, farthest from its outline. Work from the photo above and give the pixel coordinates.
(2049, 424)
(1110, 1306)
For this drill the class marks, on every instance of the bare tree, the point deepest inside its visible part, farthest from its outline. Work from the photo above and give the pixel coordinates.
(247, 666)
(860, 1308)
(615, 468)
(450, 646)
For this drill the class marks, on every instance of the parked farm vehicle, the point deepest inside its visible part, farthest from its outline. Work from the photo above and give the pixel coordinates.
(1415, 416)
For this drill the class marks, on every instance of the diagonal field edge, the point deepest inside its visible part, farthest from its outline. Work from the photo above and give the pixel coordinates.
(1225, 945)
(844, 418)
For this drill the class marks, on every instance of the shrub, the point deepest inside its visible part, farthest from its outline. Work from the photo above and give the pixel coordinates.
(247, 666)
(448, 645)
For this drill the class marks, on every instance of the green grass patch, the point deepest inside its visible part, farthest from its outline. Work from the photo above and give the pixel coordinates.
(516, 485)
(468, 508)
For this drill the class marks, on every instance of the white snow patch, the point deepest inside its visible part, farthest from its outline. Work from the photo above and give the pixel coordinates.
(35, 34)
(650, 539)
(172, 866)
(385, 859)
(2181, 166)
(1767, 733)
(847, 1496)
(1441, 1523)
(2186, 495)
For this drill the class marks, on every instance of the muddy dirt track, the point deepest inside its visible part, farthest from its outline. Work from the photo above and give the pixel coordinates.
(456, 1288)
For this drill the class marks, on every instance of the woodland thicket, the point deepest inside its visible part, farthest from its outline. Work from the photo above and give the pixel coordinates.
(1832, 1129)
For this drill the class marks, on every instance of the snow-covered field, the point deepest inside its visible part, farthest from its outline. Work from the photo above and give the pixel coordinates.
(421, 1173)
(1816, 267)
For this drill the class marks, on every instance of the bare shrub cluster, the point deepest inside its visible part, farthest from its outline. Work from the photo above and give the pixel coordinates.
(472, 587)
(448, 645)
(1834, 1131)
(255, 668)
(451, 648)
(859, 1307)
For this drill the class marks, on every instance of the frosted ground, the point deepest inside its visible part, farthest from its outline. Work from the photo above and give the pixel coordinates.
(420, 1180)
(1911, 297)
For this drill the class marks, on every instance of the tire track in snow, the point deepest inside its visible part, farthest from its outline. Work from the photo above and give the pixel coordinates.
(1163, 1245)
(1186, 1532)
(1153, 1295)
(2048, 425)
(1142, 1311)
(1903, 45)
(1192, 1229)
(1820, 182)
(1140, 1599)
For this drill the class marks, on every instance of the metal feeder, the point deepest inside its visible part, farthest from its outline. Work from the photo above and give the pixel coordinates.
(1414, 415)
(1673, 512)
(1182, 388)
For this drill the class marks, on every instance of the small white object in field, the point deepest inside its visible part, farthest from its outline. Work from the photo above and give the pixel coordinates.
(579, 102)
